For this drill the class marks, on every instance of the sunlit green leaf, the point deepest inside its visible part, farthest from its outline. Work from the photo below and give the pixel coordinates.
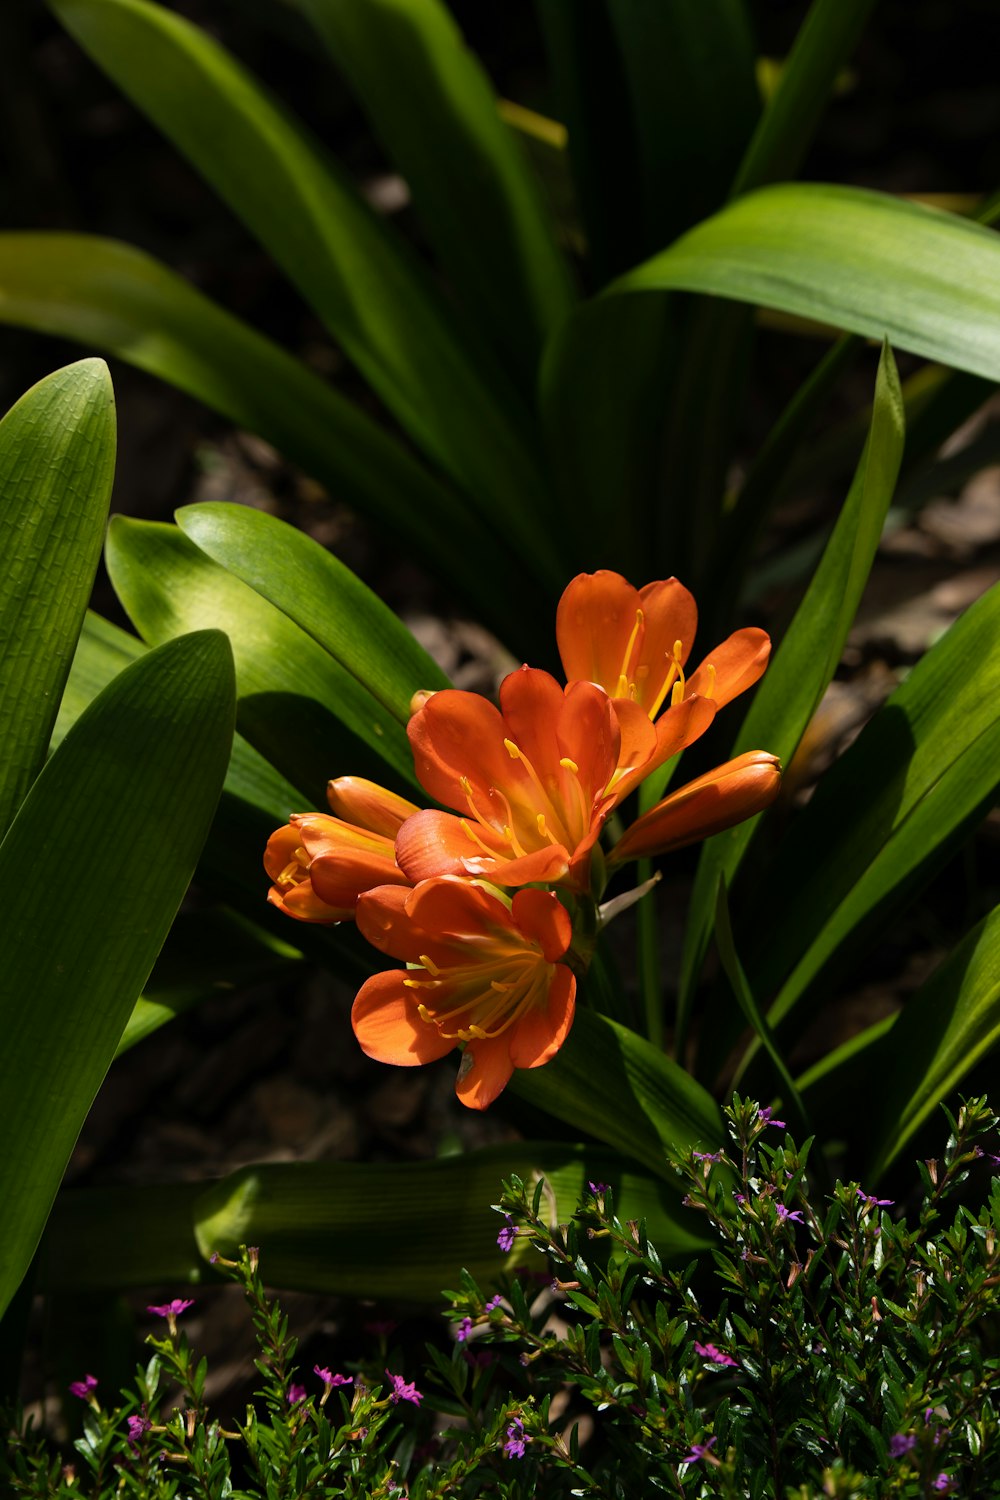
(368, 1229)
(121, 811)
(803, 667)
(612, 1084)
(948, 1026)
(370, 289)
(57, 461)
(927, 281)
(430, 102)
(321, 596)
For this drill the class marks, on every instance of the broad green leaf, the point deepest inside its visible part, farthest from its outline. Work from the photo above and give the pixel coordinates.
(948, 1026)
(206, 953)
(102, 651)
(887, 813)
(690, 72)
(369, 288)
(927, 281)
(370, 1229)
(298, 706)
(256, 799)
(121, 811)
(803, 667)
(117, 299)
(430, 103)
(325, 599)
(612, 1084)
(826, 40)
(57, 461)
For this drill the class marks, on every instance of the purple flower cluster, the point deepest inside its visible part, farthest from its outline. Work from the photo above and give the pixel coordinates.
(505, 1239)
(516, 1440)
(85, 1388)
(403, 1391)
(710, 1351)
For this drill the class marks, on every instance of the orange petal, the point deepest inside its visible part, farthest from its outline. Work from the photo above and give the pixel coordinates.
(594, 623)
(340, 878)
(539, 1034)
(738, 663)
(280, 851)
(484, 1072)
(301, 902)
(670, 614)
(673, 731)
(456, 735)
(435, 843)
(541, 917)
(388, 1026)
(368, 805)
(713, 802)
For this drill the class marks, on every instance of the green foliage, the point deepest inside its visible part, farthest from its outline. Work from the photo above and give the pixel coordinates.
(834, 1349)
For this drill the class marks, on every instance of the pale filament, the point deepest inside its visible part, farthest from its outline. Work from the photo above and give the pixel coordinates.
(495, 1013)
(559, 833)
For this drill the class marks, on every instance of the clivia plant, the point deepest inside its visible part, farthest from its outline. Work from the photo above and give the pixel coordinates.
(571, 430)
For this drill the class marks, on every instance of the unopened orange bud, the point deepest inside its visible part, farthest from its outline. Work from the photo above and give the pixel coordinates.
(716, 801)
(368, 805)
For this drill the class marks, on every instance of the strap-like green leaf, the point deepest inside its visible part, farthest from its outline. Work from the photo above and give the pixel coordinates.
(945, 1029)
(114, 298)
(370, 290)
(798, 677)
(118, 815)
(826, 40)
(612, 1084)
(298, 706)
(325, 599)
(362, 1229)
(430, 103)
(57, 461)
(885, 815)
(926, 280)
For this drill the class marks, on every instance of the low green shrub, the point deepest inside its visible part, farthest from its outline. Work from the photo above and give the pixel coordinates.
(833, 1350)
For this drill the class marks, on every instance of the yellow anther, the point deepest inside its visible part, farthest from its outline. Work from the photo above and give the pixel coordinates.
(570, 765)
(677, 693)
(540, 825)
(429, 965)
(424, 1013)
(678, 651)
(512, 750)
(710, 685)
(476, 1032)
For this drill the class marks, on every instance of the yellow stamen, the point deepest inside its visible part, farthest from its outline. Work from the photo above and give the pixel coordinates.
(710, 688)
(569, 765)
(429, 965)
(673, 679)
(626, 688)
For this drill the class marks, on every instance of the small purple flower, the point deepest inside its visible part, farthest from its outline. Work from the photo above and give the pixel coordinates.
(945, 1483)
(463, 1330)
(707, 1155)
(598, 1189)
(709, 1351)
(329, 1379)
(403, 1391)
(85, 1388)
(766, 1117)
(900, 1443)
(505, 1239)
(137, 1426)
(785, 1215)
(494, 1302)
(516, 1440)
(171, 1310)
(296, 1393)
(698, 1452)
(873, 1202)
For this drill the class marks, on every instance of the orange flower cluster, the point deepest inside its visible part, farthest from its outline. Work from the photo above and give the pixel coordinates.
(491, 959)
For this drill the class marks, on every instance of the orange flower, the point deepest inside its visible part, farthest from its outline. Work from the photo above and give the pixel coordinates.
(711, 803)
(534, 781)
(635, 644)
(482, 971)
(320, 864)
